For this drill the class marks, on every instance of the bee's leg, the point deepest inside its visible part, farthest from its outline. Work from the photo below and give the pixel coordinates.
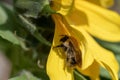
(65, 68)
(61, 46)
(59, 51)
(64, 65)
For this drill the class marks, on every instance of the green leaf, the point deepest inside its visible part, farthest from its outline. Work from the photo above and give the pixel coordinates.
(30, 8)
(104, 74)
(8, 35)
(78, 76)
(32, 29)
(8, 30)
(3, 16)
(25, 75)
(29, 26)
(41, 38)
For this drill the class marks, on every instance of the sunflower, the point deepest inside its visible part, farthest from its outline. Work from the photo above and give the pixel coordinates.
(81, 19)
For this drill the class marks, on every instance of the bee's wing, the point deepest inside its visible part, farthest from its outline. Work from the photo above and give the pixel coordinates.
(78, 58)
(77, 51)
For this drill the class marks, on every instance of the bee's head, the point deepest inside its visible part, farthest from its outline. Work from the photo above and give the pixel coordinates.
(64, 38)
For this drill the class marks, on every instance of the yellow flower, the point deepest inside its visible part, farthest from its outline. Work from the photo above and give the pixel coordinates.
(81, 19)
(103, 3)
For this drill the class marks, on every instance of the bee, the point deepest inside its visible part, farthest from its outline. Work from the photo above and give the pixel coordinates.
(72, 51)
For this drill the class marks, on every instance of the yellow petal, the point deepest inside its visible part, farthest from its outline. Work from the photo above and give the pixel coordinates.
(82, 42)
(87, 57)
(56, 68)
(62, 6)
(92, 71)
(107, 3)
(103, 3)
(102, 23)
(104, 57)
